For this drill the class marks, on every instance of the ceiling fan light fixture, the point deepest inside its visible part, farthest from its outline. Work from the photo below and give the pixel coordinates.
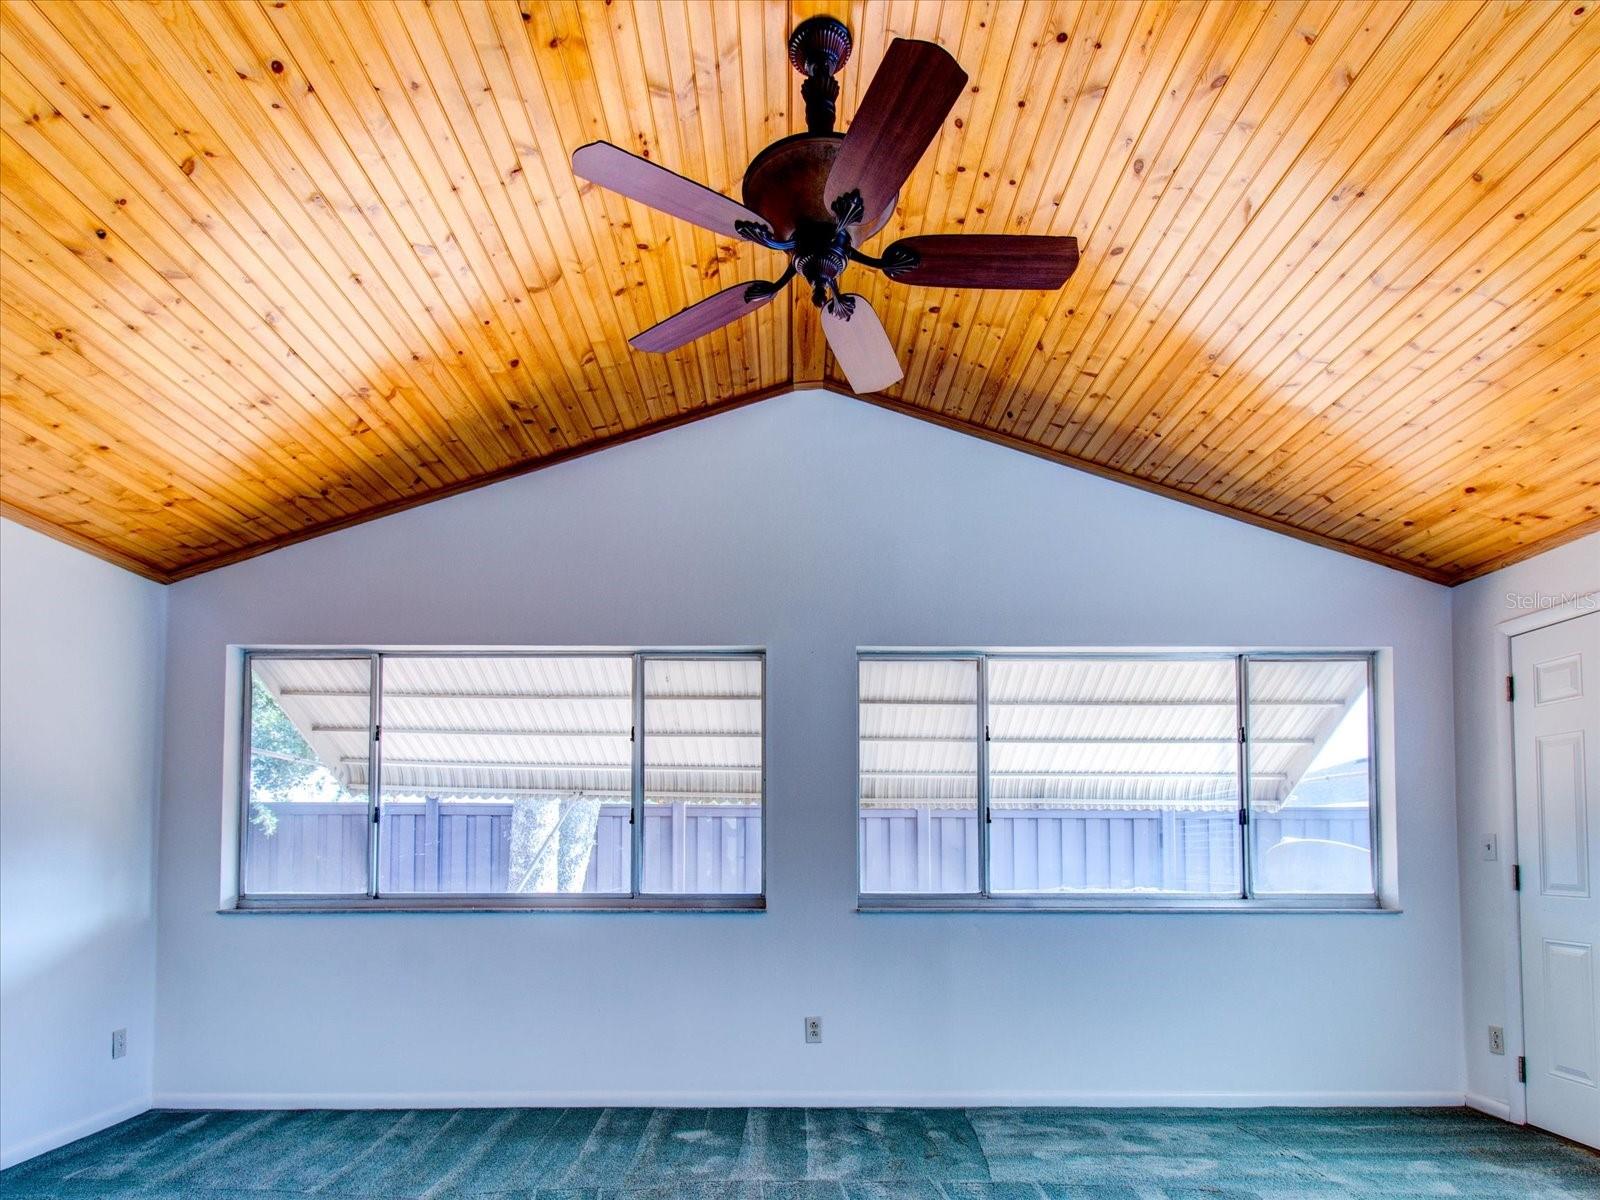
(816, 196)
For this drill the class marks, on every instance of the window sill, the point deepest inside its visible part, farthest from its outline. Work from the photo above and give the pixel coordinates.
(479, 904)
(880, 903)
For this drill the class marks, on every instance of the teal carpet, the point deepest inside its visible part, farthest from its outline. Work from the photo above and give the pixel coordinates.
(815, 1154)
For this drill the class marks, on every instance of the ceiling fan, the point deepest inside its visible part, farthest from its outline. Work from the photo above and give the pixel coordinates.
(816, 196)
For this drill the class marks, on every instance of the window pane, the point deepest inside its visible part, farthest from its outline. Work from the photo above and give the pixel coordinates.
(702, 776)
(1310, 783)
(310, 724)
(1113, 776)
(919, 775)
(506, 775)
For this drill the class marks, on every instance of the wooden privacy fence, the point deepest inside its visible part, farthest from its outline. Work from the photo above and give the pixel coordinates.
(924, 849)
(465, 847)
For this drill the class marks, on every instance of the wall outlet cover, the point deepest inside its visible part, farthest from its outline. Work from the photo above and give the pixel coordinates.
(119, 1043)
(813, 1029)
(1497, 1040)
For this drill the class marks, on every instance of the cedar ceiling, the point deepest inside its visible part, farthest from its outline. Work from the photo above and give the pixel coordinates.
(270, 268)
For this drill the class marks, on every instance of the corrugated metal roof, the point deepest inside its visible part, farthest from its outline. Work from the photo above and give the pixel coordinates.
(1091, 733)
(1083, 733)
(500, 726)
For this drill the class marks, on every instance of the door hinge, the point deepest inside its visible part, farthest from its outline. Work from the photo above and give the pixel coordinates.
(1516, 877)
(1522, 1069)
(1511, 688)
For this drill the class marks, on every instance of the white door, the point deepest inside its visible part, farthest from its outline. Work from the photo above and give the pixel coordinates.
(1556, 732)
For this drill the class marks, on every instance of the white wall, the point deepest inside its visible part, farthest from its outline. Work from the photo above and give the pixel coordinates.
(81, 662)
(1486, 802)
(810, 525)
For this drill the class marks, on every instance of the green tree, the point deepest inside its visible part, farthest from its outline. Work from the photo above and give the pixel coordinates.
(282, 762)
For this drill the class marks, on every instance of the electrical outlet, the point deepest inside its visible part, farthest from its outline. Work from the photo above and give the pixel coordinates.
(119, 1043)
(813, 1029)
(1497, 1040)
(1489, 847)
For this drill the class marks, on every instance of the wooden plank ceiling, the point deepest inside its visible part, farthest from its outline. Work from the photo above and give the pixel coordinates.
(271, 268)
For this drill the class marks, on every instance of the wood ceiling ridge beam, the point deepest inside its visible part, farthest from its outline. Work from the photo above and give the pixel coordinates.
(326, 113)
(1153, 81)
(179, 87)
(1462, 244)
(1243, 79)
(1532, 317)
(1384, 153)
(1201, 253)
(504, 437)
(1397, 54)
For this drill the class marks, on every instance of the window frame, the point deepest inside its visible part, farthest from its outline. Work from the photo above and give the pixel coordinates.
(635, 900)
(987, 900)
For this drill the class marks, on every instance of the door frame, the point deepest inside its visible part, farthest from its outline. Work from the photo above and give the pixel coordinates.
(1579, 605)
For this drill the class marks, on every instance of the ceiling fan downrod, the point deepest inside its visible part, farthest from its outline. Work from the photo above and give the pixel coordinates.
(819, 47)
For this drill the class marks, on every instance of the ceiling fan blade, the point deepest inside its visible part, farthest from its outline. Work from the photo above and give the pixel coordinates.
(983, 260)
(863, 349)
(915, 88)
(640, 179)
(713, 312)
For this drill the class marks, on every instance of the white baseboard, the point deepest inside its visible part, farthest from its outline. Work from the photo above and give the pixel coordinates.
(1495, 1108)
(10, 1156)
(787, 1099)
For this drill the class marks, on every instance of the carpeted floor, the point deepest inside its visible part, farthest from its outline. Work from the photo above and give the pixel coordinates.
(815, 1154)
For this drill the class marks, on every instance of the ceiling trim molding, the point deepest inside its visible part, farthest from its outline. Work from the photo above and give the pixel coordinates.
(78, 541)
(955, 424)
(1432, 575)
